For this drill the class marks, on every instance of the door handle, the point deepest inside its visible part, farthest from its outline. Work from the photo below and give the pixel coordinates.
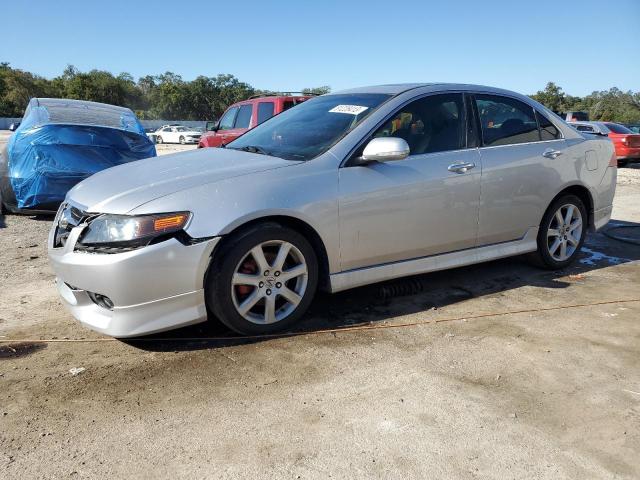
(551, 153)
(461, 167)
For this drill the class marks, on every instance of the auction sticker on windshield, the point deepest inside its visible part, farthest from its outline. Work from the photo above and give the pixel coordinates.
(350, 109)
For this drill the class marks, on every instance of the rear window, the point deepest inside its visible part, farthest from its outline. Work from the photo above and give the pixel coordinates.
(585, 128)
(616, 128)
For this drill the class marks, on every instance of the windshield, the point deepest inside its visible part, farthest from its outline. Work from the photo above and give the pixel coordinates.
(615, 128)
(311, 128)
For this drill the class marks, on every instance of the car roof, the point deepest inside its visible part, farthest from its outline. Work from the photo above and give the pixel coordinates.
(81, 112)
(398, 88)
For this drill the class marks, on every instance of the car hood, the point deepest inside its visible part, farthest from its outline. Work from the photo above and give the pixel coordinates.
(125, 187)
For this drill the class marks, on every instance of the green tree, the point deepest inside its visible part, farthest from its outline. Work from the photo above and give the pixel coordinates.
(551, 97)
(17, 87)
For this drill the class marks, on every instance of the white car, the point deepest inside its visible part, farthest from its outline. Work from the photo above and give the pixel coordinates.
(176, 134)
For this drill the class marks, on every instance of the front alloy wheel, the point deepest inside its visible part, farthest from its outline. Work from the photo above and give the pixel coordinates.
(269, 282)
(262, 280)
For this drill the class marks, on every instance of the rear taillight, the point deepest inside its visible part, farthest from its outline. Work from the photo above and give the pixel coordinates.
(613, 162)
(625, 140)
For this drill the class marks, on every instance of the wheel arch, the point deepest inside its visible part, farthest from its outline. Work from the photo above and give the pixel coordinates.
(583, 194)
(294, 223)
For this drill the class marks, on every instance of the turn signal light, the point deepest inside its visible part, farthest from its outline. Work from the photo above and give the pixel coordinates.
(172, 222)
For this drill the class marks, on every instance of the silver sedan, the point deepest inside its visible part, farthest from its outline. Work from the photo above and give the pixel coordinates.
(344, 190)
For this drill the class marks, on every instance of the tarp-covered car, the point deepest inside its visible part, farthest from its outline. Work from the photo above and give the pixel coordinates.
(60, 143)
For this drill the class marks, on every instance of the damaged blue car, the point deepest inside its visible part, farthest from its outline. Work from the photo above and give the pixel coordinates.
(60, 143)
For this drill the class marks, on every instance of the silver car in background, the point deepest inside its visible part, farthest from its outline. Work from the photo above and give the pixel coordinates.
(344, 190)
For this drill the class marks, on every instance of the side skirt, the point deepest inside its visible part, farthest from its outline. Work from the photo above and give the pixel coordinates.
(364, 276)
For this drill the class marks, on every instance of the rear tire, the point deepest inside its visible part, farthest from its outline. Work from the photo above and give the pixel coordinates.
(262, 280)
(562, 233)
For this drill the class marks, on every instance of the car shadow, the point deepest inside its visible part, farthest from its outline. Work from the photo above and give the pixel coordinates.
(420, 293)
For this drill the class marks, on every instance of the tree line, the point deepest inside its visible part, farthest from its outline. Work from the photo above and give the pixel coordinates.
(168, 96)
(613, 105)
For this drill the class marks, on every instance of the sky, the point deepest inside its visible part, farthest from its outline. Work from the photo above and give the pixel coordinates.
(581, 45)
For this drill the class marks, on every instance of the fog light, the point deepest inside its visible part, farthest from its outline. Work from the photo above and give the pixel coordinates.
(101, 300)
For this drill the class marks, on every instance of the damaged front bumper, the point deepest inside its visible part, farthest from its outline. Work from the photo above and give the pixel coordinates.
(151, 289)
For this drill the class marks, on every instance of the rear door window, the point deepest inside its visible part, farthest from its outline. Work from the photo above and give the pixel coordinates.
(548, 131)
(226, 122)
(265, 111)
(244, 116)
(506, 121)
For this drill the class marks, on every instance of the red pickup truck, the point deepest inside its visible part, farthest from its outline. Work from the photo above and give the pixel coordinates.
(242, 116)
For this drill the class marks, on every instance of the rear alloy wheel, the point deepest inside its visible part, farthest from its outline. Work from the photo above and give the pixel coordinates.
(158, 139)
(182, 142)
(562, 233)
(263, 281)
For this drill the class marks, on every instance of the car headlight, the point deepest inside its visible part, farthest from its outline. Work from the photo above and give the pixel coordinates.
(132, 230)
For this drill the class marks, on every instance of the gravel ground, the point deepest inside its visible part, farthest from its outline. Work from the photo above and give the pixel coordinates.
(498, 379)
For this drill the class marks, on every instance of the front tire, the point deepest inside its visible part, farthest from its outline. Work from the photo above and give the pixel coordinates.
(562, 233)
(159, 139)
(262, 280)
(182, 142)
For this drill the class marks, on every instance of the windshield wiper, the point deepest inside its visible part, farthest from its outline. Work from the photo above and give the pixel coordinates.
(252, 149)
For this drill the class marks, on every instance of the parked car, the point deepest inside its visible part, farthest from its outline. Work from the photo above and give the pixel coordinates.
(634, 127)
(61, 142)
(177, 134)
(242, 116)
(343, 190)
(625, 141)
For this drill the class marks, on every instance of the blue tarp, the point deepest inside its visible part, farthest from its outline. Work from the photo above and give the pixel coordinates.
(61, 142)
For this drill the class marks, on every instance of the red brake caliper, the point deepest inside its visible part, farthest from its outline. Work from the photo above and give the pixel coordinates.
(249, 267)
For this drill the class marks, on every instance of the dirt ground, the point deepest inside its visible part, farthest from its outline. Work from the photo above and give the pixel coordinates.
(497, 371)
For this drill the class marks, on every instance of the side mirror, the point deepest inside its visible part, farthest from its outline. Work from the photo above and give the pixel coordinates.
(385, 149)
(14, 126)
(213, 126)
